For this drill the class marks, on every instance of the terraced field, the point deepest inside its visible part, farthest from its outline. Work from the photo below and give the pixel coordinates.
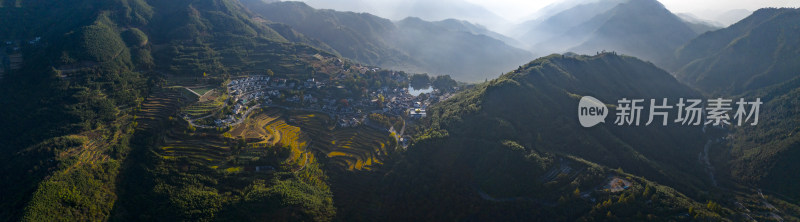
(202, 109)
(304, 133)
(204, 149)
(210, 150)
(268, 128)
(91, 152)
(359, 148)
(208, 104)
(157, 108)
(262, 132)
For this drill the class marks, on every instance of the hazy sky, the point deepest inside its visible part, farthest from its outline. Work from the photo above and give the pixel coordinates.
(514, 10)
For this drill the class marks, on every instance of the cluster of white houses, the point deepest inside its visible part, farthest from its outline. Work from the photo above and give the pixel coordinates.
(243, 86)
(260, 90)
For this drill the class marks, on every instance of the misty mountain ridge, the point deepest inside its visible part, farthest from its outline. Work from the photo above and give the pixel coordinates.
(723, 18)
(477, 29)
(732, 16)
(461, 49)
(642, 28)
(699, 25)
(553, 23)
(427, 10)
(756, 52)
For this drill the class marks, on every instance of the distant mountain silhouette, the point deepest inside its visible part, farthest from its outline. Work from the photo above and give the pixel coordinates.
(424, 9)
(642, 28)
(699, 25)
(463, 50)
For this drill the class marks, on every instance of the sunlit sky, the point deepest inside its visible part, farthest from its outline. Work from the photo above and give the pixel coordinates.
(514, 10)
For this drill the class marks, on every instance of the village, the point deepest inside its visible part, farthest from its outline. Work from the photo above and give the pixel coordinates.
(261, 90)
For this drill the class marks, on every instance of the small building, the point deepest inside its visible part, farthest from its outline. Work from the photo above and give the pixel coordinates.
(237, 108)
(417, 113)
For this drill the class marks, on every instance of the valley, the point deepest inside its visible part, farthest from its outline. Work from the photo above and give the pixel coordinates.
(253, 110)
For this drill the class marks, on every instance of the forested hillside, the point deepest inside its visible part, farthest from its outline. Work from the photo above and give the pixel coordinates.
(70, 128)
(759, 51)
(495, 147)
(757, 57)
(68, 111)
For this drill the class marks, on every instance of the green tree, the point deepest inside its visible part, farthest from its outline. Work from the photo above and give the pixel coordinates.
(420, 81)
(647, 191)
(444, 83)
(134, 37)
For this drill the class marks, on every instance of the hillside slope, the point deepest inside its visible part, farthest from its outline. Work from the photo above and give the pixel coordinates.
(67, 112)
(759, 51)
(757, 57)
(512, 149)
(531, 103)
(765, 155)
(80, 117)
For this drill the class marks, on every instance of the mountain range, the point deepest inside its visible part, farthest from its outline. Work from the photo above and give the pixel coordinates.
(463, 50)
(645, 29)
(479, 136)
(93, 121)
(756, 52)
(427, 10)
(756, 57)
